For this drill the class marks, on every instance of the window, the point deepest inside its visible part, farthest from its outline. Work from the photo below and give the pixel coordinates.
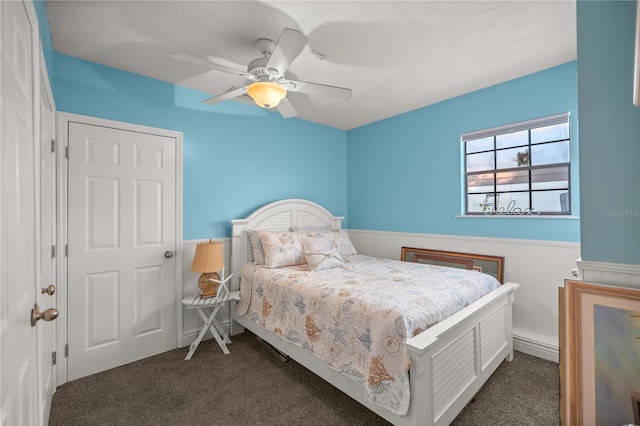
(519, 169)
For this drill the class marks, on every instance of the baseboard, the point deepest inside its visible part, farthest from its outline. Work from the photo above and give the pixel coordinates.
(190, 336)
(536, 345)
(528, 343)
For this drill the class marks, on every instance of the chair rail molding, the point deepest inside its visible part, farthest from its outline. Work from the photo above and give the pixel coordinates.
(619, 274)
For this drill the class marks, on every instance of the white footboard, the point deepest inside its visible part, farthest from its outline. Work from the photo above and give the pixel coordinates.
(449, 362)
(453, 359)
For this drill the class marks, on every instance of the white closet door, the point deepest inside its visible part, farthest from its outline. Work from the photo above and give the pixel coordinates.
(121, 288)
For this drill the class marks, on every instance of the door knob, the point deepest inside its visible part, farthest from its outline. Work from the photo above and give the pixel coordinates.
(168, 254)
(50, 290)
(48, 315)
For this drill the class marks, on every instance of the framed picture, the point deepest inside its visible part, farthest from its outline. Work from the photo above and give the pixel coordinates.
(635, 402)
(492, 265)
(601, 354)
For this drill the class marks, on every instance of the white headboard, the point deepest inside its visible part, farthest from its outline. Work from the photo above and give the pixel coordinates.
(277, 216)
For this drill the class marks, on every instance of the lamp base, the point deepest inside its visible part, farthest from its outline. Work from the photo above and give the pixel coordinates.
(207, 287)
(208, 295)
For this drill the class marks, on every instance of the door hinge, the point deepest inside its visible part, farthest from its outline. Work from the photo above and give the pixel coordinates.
(53, 145)
(53, 358)
(66, 350)
(66, 250)
(66, 152)
(53, 251)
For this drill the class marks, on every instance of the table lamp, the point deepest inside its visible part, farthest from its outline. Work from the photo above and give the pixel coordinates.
(209, 259)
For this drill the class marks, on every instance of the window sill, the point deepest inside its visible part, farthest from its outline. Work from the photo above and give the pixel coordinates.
(515, 216)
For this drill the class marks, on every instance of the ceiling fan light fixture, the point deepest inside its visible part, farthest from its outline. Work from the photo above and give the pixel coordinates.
(266, 94)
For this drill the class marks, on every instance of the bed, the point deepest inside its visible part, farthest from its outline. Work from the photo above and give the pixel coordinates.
(449, 361)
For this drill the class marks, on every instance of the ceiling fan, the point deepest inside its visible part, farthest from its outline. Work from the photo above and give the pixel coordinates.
(267, 83)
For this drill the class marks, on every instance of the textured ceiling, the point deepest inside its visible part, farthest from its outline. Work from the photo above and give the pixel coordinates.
(396, 56)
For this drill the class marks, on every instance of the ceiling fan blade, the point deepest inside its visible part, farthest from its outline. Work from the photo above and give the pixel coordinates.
(287, 49)
(317, 89)
(233, 93)
(183, 57)
(286, 109)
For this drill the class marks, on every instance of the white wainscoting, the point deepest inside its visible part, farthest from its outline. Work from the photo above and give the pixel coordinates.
(191, 321)
(617, 274)
(539, 266)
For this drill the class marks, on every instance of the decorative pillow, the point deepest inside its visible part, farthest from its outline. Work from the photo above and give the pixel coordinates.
(282, 248)
(341, 239)
(321, 253)
(256, 246)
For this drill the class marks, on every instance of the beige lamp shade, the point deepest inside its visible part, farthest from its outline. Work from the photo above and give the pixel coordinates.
(208, 257)
(266, 93)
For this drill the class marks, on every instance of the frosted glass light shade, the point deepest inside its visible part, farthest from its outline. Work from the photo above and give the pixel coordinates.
(266, 93)
(208, 258)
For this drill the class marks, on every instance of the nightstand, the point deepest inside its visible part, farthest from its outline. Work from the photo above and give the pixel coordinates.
(211, 305)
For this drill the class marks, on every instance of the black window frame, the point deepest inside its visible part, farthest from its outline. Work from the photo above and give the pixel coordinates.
(529, 125)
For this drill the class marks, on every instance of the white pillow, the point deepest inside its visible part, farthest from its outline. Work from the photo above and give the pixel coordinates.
(282, 248)
(256, 246)
(341, 239)
(321, 253)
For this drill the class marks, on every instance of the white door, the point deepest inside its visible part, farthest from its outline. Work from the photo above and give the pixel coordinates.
(48, 299)
(19, 391)
(122, 237)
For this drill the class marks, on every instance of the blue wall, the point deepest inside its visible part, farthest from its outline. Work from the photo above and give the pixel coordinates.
(236, 157)
(609, 132)
(400, 174)
(405, 172)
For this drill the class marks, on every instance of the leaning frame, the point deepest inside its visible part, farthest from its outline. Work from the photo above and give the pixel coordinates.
(449, 361)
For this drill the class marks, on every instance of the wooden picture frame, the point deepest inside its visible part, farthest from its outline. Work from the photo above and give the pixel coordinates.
(492, 265)
(599, 353)
(635, 403)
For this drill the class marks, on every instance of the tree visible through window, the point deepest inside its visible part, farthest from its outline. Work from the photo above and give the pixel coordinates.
(519, 169)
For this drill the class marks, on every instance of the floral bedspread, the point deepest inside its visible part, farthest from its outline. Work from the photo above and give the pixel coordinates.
(357, 318)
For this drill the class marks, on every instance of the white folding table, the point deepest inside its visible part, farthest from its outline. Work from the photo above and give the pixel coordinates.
(210, 322)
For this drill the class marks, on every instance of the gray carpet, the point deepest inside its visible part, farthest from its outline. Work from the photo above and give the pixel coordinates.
(252, 386)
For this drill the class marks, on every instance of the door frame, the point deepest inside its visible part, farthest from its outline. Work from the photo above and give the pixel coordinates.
(45, 87)
(62, 129)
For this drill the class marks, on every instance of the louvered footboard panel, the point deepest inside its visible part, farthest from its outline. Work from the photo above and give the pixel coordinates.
(454, 369)
(493, 335)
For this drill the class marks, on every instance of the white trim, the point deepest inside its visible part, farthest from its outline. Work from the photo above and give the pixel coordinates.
(190, 336)
(47, 84)
(536, 345)
(516, 127)
(609, 266)
(618, 274)
(61, 242)
(44, 87)
(63, 120)
(466, 238)
(516, 216)
(35, 70)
